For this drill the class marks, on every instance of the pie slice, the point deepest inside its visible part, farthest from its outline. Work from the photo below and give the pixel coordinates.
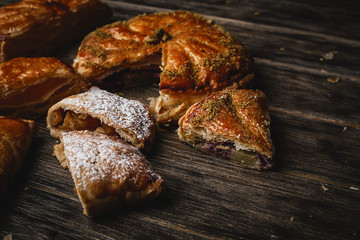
(104, 112)
(107, 172)
(15, 138)
(231, 124)
(195, 55)
(29, 86)
(35, 27)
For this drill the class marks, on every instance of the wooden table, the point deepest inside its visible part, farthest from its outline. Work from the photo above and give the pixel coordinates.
(308, 56)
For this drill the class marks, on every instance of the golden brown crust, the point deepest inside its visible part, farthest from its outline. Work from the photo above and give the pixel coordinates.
(29, 86)
(35, 27)
(105, 112)
(15, 139)
(107, 172)
(198, 56)
(236, 116)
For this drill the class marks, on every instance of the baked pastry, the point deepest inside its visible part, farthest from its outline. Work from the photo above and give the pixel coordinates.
(30, 86)
(104, 112)
(35, 27)
(231, 124)
(15, 138)
(198, 57)
(107, 172)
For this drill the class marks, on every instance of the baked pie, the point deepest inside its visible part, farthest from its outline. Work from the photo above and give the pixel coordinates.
(15, 138)
(193, 56)
(35, 27)
(231, 124)
(103, 112)
(107, 172)
(29, 86)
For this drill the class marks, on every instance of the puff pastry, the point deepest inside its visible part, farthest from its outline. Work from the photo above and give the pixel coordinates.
(104, 112)
(35, 27)
(15, 138)
(29, 86)
(198, 57)
(231, 124)
(107, 172)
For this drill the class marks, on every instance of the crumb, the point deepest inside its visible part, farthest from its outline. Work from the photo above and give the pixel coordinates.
(282, 49)
(333, 80)
(273, 236)
(8, 237)
(321, 59)
(324, 188)
(345, 128)
(354, 188)
(292, 219)
(330, 55)
(257, 13)
(26, 188)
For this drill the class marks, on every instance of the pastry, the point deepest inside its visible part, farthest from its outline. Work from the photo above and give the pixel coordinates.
(15, 138)
(195, 55)
(104, 112)
(35, 27)
(107, 172)
(231, 124)
(29, 86)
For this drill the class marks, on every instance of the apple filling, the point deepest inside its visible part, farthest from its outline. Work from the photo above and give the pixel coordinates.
(69, 120)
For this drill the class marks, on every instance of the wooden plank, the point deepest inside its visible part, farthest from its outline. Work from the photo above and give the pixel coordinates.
(324, 17)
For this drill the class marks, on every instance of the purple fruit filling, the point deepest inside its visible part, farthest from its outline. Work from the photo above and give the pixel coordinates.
(220, 149)
(263, 162)
(228, 151)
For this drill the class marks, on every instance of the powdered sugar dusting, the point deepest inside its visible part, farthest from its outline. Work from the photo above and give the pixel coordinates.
(99, 162)
(113, 110)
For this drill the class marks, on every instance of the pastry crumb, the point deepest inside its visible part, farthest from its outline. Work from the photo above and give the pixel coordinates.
(330, 55)
(333, 80)
(26, 188)
(257, 13)
(8, 237)
(354, 188)
(292, 219)
(282, 49)
(324, 188)
(344, 129)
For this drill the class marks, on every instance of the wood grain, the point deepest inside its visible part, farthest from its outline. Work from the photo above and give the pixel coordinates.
(312, 193)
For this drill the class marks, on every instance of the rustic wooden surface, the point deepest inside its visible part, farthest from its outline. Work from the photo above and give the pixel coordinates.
(300, 48)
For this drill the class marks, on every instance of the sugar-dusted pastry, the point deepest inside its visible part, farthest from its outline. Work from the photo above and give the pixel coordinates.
(29, 86)
(231, 124)
(35, 27)
(195, 55)
(15, 138)
(107, 172)
(104, 112)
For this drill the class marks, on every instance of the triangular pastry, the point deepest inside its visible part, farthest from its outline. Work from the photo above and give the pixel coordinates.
(15, 138)
(231, 124)
(104, 112)
(29, 86)
(107, 172)
(195, 55)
